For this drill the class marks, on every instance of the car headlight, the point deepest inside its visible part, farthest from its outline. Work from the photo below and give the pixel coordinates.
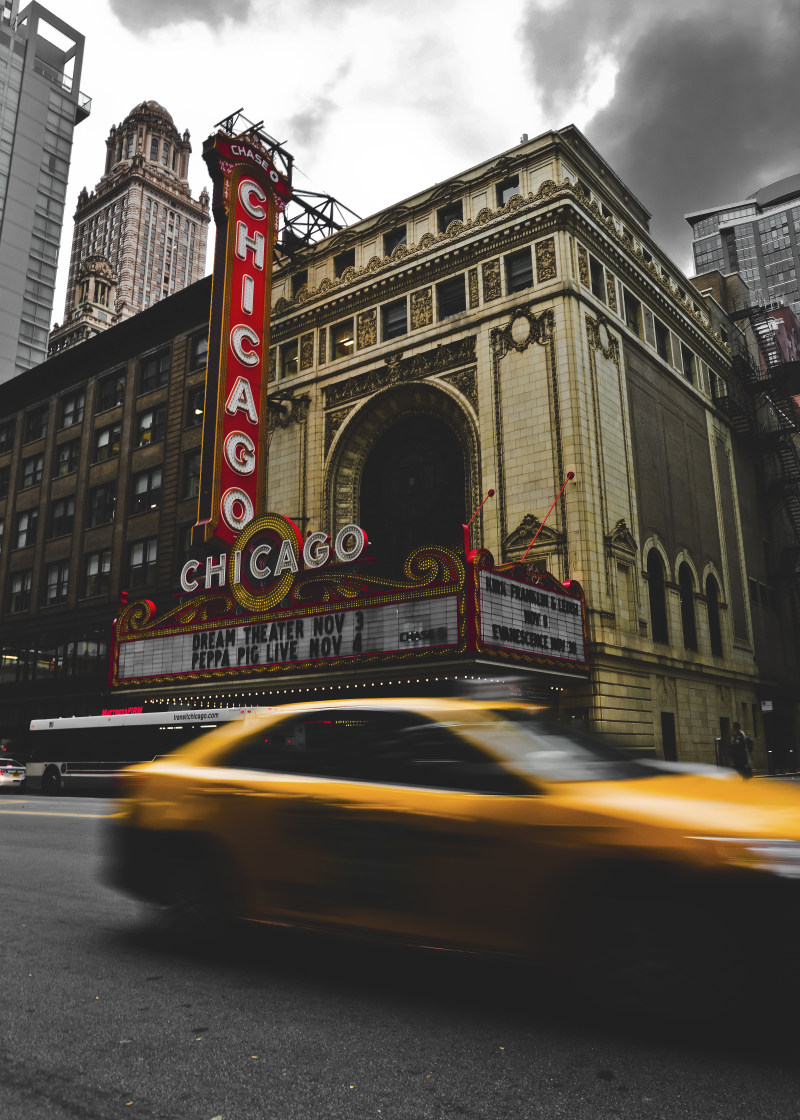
(779, 857)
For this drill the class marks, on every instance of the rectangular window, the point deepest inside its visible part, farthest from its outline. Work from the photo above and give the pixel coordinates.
(56, 582)
(198, 352)
(154, 149)
(195, 403)
(19, 592)
(62, 517)
(106, 442)
(662, 341)
(110, 391)
(4, 476)
(394, 319)
(71, 409)
(633, 313)
(452, 212)
(154, 372)
(344, 260)
(7, 435)
(343, 342)
(288, 354)
(66, 458)
(689, 365)
(32, 470)
(36, 424)
(191, 475)
(102, 504)
(25, 535)
(393, 238)
(598, 279)
(97, 573)
(451, 297)
(519, 271)
(151, 425)
(142, 562)
(299, 280)
(507, 189)
(146, 490)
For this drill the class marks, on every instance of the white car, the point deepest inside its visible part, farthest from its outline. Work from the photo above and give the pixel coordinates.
(12, 773)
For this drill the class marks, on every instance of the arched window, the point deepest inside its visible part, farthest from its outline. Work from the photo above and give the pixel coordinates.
(712, 607)
(686, 588)
(658, 602)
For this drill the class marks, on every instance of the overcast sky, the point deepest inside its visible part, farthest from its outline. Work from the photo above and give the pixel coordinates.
(692, 102)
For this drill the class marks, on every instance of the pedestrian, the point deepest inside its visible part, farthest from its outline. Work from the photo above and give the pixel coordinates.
(739, 751)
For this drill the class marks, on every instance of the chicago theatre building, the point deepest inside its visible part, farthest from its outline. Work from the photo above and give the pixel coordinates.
(508, 350)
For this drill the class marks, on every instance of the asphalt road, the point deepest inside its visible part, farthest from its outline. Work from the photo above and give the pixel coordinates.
(98, 1020)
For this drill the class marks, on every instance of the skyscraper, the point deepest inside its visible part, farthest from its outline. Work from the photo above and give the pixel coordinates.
(757, 237)
(40, 104)
(142, 219)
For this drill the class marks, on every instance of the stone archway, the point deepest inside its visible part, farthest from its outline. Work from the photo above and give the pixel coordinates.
(403, 436)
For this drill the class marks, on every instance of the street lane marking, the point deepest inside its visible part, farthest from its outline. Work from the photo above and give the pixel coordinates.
(40, 813)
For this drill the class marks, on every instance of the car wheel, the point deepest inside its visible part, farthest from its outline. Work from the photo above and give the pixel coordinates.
(51, 781)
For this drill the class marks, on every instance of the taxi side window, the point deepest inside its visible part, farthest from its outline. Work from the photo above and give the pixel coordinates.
(394, 748)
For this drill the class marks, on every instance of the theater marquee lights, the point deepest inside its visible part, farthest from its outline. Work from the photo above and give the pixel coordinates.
(249, 194)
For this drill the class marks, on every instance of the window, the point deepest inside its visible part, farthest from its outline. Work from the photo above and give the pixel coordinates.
(633, 314)
(507, 189)
(198, 352)
(165, 154)
(36, 424)
(712, 610)
(66, 458)
(7, 435)
(392, 239)
(154, 149)
(191, 475)
(25, 535)
(110, 391)
(97, 573)
(288, 354)
(598, 279)
(4, 476)
(299, 280)
(154, 371)
(344, 260)
(62, 517)
(102, 504)
(662, 341)
(146, 490)
(688, 362)
(452, 212)
(343, 341)
(394, 319)
(32, 470)
(71, 409)
(195, 403)
(686, 588)
(19, 591)
(151, 425)
(142, 562)
(657, 594)
(519, 271)
(451, 297)
(106, 442)
(56, 582)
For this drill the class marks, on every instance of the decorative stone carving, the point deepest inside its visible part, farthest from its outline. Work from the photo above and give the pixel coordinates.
(291, 410)
(583, 266)
(272, 370)
(466, 381)
(600, 338)
(545, 260)
(472, 284)
(611, 291)
(367, 328)
(373, 264)
(491, 280)
(426, 241)
(518, 541)
(523, 328)
(399, 252)
(421, 308)
(333, 422)
(322, 347)
(398, 369)
(281, 305)
(306, 351)
(484, 215)
(621, 543)
(348, 274)
(454, 228)
(515, 202)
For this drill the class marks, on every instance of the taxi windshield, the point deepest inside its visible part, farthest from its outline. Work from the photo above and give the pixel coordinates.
(539, 746)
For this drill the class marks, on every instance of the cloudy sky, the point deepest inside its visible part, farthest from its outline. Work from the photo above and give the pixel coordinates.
(692, 102)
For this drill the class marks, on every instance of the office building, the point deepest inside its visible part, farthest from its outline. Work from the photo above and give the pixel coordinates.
(40, 104)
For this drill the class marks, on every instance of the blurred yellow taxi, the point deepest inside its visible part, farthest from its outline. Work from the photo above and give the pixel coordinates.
(479, 826)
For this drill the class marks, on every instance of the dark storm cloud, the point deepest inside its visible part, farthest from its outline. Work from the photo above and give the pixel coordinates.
(147, 15)
(306, 127)
(705, 106)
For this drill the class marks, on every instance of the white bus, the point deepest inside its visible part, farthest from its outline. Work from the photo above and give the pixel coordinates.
(86, 752)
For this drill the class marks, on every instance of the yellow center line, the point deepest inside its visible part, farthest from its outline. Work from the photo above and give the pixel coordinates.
(44, 813)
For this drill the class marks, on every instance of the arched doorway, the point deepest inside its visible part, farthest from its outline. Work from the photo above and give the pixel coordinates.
(412, 490)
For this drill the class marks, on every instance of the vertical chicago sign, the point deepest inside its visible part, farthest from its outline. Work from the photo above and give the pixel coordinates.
(249, 194)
